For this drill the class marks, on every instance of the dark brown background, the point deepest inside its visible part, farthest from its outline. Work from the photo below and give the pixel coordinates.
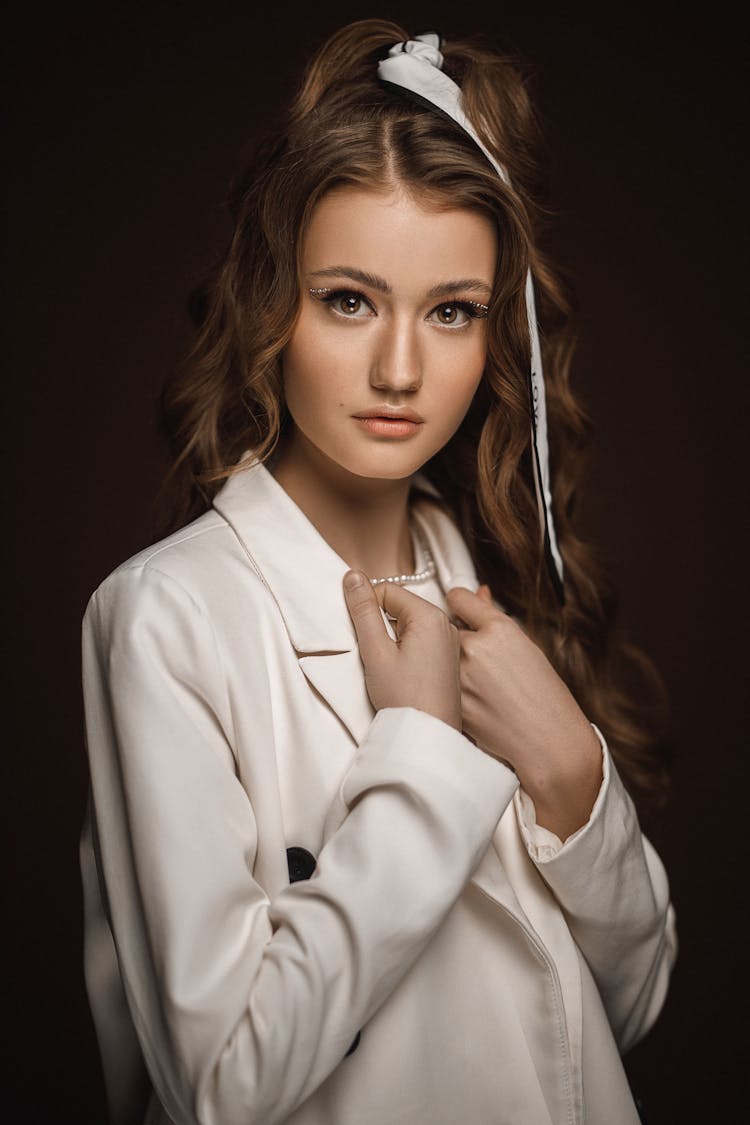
(124, 127)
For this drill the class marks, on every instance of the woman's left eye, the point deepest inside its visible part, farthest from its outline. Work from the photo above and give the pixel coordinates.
(457, 314)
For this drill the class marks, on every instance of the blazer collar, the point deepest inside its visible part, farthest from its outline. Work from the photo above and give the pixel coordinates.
(304, 576)
(303, 573)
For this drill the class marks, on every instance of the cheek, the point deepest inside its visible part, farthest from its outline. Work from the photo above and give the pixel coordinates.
(316, 363)
(303, 366)
(459, 373)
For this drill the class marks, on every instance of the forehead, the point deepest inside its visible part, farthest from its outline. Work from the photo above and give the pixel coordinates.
(406, 241)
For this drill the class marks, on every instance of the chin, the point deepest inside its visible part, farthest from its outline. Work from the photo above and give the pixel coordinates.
(388, 464)
(370, 459)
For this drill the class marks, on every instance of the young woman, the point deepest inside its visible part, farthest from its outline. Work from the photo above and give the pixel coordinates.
(365, 852)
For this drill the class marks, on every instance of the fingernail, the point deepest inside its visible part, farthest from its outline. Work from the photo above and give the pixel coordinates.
(352, 579)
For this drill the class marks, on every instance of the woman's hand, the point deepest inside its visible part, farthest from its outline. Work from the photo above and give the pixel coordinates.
(421, 668)
(515, 706)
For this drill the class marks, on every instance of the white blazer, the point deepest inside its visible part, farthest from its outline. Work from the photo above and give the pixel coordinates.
(490, 979)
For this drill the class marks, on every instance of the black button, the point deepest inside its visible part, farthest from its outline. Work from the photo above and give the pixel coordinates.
(301, 864)
(355, 1044)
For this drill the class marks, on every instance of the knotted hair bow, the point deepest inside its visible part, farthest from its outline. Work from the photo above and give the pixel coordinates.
(416, 66)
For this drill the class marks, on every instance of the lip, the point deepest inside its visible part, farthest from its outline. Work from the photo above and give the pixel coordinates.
(391, 414)
(388, 427)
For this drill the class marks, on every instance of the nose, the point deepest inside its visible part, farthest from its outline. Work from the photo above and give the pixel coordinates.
(397, 358)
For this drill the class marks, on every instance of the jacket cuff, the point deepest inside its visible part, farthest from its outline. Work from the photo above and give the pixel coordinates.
(414, 746)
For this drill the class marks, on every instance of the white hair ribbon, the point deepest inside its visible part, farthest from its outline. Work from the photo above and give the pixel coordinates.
(416, 66)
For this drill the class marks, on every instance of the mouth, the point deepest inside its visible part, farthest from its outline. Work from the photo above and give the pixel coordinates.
(388, 426)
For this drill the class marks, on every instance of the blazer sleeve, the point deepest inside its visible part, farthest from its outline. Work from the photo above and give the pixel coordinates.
(614, 891)
(242, 1005)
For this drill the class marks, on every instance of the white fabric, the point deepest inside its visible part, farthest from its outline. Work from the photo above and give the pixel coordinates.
(542, 844)
(226, 720)
(416, 65)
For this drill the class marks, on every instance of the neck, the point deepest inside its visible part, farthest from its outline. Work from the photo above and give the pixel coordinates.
(364, 520)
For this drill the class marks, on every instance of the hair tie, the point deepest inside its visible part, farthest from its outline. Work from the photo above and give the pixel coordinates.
(425, 46)
(415, 65)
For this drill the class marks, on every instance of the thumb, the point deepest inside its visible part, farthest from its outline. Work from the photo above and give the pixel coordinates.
(364, 610)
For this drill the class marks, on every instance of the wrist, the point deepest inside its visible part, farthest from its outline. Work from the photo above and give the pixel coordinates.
(565, 789)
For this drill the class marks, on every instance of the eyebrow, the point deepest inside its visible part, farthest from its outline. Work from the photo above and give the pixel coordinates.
(470, 284)
(443, 289)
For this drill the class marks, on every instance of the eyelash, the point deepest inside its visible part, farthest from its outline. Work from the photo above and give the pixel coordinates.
(473, 309)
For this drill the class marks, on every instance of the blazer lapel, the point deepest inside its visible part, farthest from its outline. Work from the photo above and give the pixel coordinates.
(338, 677)
(304, 576)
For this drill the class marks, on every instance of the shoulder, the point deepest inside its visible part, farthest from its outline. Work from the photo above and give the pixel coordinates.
(199, 570)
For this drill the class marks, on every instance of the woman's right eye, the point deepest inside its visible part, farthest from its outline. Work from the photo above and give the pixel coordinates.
(345, 303)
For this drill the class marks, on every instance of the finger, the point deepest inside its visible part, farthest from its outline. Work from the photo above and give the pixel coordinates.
(364, 610)
(401, 605)
(471, 608)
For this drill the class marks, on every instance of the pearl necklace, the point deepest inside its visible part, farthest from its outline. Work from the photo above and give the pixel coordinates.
(420, 576)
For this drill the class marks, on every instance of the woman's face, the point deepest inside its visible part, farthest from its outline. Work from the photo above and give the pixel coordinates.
(397, 318)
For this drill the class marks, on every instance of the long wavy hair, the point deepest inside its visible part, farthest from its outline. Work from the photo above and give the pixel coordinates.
(344, 127)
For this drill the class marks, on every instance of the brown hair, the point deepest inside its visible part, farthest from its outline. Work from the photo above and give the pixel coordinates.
(344, 127)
